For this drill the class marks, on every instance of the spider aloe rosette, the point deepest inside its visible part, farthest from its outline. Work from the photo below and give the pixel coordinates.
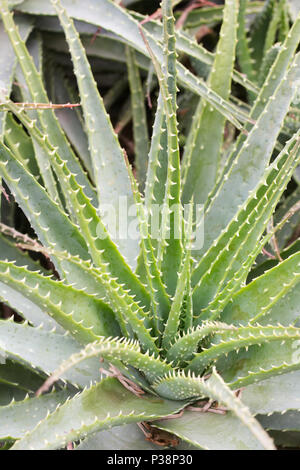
(194, 332)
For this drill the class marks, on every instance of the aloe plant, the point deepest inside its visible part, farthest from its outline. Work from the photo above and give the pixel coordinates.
(169, 317)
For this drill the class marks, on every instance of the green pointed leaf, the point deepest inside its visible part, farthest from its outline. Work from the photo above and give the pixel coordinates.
(90, 319)
(27, 309)
(109, 46)
(72, 122)
(259, 31)
(11, 252)
(115, 350)
(256, 300)
(101, 247)
(268, 62)
(105, 46)
(203, 157)
(35, 49)
(216, 389)
(186, 45)
(287, 309)
(169, 248)
(86, 414)
(8, 60)
(140, 130)
(19, 418)
(243, 337)
(15, 299)
(277, 394)
(50, 224)
(260, 362)
(113, 18)
(173, 320)
(210, 431)
(21, 145)
(131, 317)
(214, 14)
(44, 350)
(107, 156)
(35, 84)
(276, 84)
(251, 159)
(184, 347)
(243, 46)
(157, 171)
(273, 27)
(224, 262)
(160, 302)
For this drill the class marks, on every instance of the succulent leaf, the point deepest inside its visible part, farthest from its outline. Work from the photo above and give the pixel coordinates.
(85, 414)
(193, 320)
(15, 337)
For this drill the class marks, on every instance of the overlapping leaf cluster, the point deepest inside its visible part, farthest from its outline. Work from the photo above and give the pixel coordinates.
(176, 324)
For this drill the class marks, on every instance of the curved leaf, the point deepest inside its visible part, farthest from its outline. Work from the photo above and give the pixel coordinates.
(254, 301)
(110, 16)
(216, 389)
(202, 156)
(107, 156)
(276, 394)
(44, 350)
(8, 60)
(114, 350)
(17, 419)
(85, 414)
(90, 319)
